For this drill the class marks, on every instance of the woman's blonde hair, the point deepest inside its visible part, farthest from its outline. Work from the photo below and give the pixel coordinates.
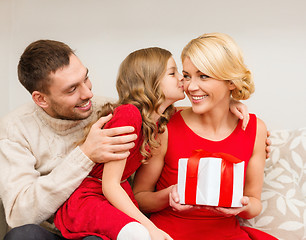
(219, 57)
(138, 83)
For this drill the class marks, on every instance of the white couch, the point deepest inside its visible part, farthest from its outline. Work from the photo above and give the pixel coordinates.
(284, 190)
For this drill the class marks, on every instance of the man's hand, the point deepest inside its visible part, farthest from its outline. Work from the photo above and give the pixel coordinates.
(104, 145)
(268, 144)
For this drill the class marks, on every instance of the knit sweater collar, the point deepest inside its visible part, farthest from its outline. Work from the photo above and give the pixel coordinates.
(60, 126)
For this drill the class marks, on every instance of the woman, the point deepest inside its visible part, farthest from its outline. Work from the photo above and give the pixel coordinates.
(214, 72)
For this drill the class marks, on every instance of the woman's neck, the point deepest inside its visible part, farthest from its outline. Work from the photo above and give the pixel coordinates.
(214, 125)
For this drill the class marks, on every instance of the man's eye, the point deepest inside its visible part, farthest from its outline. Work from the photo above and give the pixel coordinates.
(186, 77)
(72, 90)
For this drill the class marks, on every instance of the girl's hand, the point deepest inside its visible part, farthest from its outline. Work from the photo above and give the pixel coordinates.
(174, 201)
(231, 211)
(158, 234)
(241, 111)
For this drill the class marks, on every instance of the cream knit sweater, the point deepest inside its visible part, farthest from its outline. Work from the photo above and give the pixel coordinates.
(40, 166)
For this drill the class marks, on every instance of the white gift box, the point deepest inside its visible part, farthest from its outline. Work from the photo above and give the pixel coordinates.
(208, 182)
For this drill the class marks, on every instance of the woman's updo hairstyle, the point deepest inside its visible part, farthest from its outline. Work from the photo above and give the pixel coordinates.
(219, 57)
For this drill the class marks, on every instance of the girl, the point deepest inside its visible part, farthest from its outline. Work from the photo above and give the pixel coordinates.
(148, 83)
(214, 72)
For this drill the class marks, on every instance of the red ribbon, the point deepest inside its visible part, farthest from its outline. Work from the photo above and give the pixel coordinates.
(226, 185)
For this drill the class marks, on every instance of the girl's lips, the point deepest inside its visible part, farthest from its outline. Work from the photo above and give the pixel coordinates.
(85, 106)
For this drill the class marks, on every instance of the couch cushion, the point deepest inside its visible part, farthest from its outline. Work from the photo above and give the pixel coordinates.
(284, 190)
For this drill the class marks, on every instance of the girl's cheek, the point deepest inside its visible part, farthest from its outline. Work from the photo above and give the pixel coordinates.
(185, 86)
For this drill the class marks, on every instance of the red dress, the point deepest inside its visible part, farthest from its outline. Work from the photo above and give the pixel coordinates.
(202, 224)
(87, 212)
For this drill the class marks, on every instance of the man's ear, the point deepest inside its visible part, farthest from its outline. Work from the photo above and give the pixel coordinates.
(231, 85)
(40, 99)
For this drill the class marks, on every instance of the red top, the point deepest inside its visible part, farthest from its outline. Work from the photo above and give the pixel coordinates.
(182, 141)
(201, 224)
(125, 115)
(87, 212)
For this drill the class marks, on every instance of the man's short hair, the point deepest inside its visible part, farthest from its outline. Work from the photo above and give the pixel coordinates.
(38, 60)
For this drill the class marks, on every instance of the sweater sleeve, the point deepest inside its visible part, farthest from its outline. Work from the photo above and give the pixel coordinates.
(31, 188)
(28, 196)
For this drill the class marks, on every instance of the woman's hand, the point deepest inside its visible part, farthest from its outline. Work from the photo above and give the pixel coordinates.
(231, 211)
(174, 201)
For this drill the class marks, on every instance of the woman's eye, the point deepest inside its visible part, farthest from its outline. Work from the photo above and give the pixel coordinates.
(204, 76)
(172, 74)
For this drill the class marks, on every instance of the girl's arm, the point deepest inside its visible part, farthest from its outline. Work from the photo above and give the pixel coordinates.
(255, 173)
(146, 178)
(145, 181)
(241, 111)
(117, 196)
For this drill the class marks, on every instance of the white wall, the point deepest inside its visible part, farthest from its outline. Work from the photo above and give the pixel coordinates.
(4, 56)
(272, 35)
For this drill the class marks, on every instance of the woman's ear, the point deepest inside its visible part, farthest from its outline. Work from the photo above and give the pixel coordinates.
(40, 99)
(231, 85)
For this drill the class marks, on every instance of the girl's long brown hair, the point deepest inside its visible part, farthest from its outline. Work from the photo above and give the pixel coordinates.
(138, 83)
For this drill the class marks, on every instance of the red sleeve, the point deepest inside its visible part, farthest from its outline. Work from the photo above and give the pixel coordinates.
(126, 115)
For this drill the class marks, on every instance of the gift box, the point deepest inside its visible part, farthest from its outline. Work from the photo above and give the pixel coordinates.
(214, 179)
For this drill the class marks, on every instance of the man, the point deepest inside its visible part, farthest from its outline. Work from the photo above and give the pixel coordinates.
(41, 164)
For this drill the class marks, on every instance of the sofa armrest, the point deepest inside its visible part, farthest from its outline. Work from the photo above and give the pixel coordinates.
(284, 190)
